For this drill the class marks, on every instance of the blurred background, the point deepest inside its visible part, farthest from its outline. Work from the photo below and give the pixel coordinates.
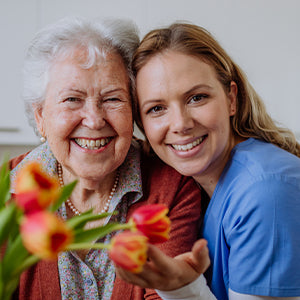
(262, 36)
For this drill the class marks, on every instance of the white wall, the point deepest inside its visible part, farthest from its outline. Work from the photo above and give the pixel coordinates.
(261, 35)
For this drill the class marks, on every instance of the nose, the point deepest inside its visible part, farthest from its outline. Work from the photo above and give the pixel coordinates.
(93, 115)
(181, 121)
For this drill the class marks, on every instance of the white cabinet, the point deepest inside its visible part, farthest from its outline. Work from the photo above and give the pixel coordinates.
(18, 22)
(262, 36)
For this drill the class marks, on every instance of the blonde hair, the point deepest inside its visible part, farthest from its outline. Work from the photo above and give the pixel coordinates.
(251, 118)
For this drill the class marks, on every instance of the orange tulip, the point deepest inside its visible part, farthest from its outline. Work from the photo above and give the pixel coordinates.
(35, 189)
(152, 220)
(129, 250)
(45, 235)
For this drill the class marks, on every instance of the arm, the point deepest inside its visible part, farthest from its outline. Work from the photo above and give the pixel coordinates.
(162, 267)
(237, 296)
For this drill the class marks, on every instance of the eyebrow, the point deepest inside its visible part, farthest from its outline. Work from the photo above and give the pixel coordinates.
(196, 87)
(105, 92)
(72, 90)
(113, 90)
(150, 101)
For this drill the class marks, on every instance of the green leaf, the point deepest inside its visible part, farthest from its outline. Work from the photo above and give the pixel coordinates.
(65, 194)
(93, 234)
(15, 254)
(79, 221)
(7, 220)
(10, 286)
(2, 283)
(28, 262)
(4, 184)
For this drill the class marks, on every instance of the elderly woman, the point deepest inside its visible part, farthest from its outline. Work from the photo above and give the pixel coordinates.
(78, 98)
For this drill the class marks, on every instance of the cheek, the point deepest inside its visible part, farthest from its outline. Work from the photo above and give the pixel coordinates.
(215, 119)
(155, 130)
(122, 122)
(60, 123)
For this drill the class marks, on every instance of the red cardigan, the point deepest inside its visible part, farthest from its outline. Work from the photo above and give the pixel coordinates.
(161, 184)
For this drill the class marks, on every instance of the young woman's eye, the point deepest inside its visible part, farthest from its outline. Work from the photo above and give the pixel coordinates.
(155, 109)
(198, 98)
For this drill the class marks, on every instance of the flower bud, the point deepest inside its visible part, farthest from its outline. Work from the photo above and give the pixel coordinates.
(152, 220)
(129, 250)
(35, 189)
(45, 235)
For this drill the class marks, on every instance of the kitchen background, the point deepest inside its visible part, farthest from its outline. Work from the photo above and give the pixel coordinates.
(262, 36)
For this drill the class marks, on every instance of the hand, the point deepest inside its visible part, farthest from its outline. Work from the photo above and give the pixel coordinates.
(164, 273)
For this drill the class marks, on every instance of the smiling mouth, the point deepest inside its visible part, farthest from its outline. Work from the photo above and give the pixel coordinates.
(189, 146)
(93, 144)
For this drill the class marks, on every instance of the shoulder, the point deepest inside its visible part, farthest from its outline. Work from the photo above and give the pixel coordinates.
(253, 162)
(260, 157)
(261, 182)
(16, 160)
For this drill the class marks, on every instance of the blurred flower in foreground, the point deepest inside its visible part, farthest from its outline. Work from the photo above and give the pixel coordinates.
(45, 235)
(129, 250)
(152, 221)
(30, 230)
(35, 189)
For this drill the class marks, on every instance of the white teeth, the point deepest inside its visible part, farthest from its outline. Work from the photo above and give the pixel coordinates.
(92, 144)
(189, 146)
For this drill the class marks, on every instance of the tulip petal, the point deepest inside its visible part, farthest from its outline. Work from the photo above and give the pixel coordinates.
(152, 220)
(45, 235)
(129, 251)
(35, 189)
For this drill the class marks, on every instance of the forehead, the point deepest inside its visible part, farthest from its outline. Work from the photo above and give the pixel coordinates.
(175, 67)
(107, 67)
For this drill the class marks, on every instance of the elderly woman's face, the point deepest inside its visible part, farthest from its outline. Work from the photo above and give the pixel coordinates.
(87, 115)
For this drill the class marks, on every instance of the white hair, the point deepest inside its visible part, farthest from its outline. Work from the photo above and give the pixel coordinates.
(96, 37)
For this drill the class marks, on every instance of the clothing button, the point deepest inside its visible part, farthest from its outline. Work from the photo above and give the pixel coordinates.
(89, 281)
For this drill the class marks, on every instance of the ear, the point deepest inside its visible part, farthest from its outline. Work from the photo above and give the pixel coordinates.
(232, 96)
(39, 119)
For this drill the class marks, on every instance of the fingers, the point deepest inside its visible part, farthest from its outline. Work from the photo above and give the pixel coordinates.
(200, 257)
(132, 278)
(159, 261)
(160, 272)
(165, 273)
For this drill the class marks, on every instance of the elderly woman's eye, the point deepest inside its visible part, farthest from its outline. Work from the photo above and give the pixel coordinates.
(72, 99)
(114, 99)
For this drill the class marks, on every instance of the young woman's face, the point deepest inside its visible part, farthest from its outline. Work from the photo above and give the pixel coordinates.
(186, 114)
(87, 115)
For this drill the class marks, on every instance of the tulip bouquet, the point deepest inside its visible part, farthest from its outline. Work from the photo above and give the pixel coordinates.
(30, 229)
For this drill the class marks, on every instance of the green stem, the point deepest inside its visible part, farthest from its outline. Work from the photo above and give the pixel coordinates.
(128, 225)
(79, 246)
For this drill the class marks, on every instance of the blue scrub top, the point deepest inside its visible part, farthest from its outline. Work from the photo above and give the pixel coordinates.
(252, 223)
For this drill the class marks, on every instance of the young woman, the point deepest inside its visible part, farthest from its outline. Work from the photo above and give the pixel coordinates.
(202, 117)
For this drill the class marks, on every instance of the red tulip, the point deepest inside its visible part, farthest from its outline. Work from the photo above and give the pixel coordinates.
(45, 235)
(35, 189)
(152, 220)
(129, 250)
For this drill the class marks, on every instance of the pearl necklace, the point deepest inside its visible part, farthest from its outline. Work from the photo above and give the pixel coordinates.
(71, 205)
